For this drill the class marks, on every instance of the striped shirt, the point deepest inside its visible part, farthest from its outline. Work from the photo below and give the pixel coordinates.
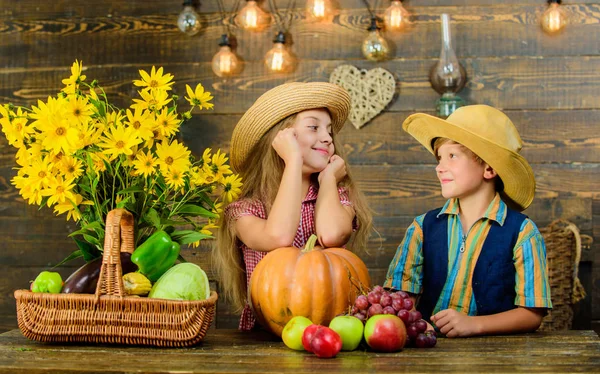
(529, 256)
(306, 228)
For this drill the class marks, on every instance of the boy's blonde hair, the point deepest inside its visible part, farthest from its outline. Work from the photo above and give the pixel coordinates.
(438, 142)
(261, 182)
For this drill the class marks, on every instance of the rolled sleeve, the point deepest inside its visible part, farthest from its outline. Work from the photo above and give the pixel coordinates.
(531, 280)
(406, 269)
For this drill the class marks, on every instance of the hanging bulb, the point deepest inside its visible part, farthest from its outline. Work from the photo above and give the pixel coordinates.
(225, 63)
(374, 47)
(251, 17)
(278, 59)
(188, 21)
(554, 18)
(395, 17)
(319, 10)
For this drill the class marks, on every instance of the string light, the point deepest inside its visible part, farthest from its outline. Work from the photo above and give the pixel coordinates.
(279, 59)
(225, 63)
(375, 47)
(554, 18)
(252, 17)
(188, 20)
(395, 17)
(319, 10)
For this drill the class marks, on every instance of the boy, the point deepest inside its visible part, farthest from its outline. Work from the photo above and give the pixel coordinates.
(477, 265)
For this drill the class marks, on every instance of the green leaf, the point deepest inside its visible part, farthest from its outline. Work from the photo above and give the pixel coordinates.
(89, 251)
(153, 218)
(131, 189)
(91, 239)
(92, 226)
(196, 210)
(188, 236)
(74, 255)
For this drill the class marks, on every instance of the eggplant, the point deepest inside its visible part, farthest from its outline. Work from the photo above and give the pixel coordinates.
(85, 279)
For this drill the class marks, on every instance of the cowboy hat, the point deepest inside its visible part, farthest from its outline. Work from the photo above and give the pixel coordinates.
(281, 102)
(491, 135)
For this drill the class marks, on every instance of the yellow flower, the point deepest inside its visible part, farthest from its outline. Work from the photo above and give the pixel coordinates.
(198, 97)
(71, 207)
(217, 165)
(44, 113)
(71, 167)
(174, 178)
(15, 130)
(119, 141)
(113, 119)
(59, 135)
(75, 79)
(59, 190)
(144, 164)
(88, 134)
(141, 122)
(39, 173)
(231, 188)
(167, 123)
(152, 100)
(79, 110)
(174, 156)
(99, 159)
(155, 80)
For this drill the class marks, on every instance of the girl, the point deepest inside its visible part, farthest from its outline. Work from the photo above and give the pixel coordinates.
(295, 184)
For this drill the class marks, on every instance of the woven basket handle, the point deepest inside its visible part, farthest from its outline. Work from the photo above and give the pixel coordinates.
(578, 291)
(118, 238)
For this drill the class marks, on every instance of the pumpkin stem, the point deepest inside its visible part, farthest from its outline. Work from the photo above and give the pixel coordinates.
(310, 243)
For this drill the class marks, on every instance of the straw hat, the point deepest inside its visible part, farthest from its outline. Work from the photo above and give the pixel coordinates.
(491, 135)
(279, 103)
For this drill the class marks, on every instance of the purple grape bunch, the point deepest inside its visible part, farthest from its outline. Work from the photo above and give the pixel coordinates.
(381, 301)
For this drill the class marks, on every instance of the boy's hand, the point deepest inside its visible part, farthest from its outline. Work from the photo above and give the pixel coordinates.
(286, 146)
(335, 169)
(454, 324)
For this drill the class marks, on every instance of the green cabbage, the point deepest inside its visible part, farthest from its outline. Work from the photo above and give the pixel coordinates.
(184, 281)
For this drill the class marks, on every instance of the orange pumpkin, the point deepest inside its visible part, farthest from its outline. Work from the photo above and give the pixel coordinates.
(312, 282)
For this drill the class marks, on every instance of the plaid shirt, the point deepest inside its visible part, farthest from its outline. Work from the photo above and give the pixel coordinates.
(306, 228)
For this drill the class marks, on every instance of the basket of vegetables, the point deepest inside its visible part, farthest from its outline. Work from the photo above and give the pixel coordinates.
(116, 313)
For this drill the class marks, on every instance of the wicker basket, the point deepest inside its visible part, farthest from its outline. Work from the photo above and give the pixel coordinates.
(110, 316)
(563, 252)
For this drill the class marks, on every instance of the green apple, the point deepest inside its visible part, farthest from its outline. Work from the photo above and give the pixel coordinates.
(350, 330)
(293, 331)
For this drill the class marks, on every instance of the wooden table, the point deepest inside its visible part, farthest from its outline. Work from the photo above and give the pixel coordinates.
(258, 352)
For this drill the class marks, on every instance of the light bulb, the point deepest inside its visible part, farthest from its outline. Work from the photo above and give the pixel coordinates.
(395, 17)
(375, 47)
(319, 10)
(188, 21)
(447, 75)
(279, 59)
(225, 63)
(554, 18)
(251, 17)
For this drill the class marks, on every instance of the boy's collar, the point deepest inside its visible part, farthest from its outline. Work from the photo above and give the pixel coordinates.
(496, 211)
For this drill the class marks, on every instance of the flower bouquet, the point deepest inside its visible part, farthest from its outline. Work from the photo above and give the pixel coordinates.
(126, 179)
(82, 156)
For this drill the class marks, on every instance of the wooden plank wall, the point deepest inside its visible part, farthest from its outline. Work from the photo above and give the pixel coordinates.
(548, 85)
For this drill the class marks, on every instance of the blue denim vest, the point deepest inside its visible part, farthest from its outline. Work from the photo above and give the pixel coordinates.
(494, 275)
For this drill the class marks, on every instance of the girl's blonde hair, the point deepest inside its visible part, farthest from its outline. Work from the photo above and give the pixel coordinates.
(261, 179)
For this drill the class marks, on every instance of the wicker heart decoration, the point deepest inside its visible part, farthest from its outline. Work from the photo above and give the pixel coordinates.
(370, 90)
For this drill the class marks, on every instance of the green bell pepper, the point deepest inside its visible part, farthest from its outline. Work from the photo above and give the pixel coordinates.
(47, 282)
(156, 255)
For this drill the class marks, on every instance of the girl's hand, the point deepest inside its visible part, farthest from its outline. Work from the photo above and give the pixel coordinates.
(335, 169)
(286, 146)
(454, 324)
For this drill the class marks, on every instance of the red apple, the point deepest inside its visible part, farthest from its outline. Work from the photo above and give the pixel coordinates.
(325, 342)
(385, 333)
(307, 336)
